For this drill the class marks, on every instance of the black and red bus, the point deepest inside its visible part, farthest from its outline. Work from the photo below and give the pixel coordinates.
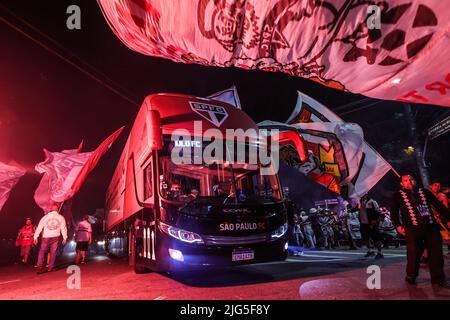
(169, 215)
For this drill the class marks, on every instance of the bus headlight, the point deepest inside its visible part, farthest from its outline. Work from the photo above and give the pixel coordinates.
(281, 231)
(180, 234)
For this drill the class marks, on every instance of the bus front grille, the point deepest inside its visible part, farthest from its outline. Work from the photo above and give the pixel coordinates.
(228, 240)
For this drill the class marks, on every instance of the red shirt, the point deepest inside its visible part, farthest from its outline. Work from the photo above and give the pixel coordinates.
(25, 237)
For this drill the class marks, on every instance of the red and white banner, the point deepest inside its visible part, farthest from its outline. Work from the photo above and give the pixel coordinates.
(60, 170)
(334, 152)
(392, 49)
(65, 172)
(371, 166)
(9, 176)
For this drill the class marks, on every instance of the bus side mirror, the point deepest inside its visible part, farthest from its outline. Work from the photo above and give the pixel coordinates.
(293, 137)
(154, 125)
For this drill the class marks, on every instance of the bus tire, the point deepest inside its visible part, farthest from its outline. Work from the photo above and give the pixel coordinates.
(138, 268)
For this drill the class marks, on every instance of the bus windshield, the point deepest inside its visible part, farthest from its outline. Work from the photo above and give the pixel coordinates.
(219, 182)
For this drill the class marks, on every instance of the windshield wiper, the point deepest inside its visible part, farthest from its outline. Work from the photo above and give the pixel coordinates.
(233, 179)
(189, 203)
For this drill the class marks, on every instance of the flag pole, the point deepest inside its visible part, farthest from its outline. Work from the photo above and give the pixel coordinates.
(395, 171)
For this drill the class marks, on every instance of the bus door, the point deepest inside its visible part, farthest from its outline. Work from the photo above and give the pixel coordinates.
(147, 228)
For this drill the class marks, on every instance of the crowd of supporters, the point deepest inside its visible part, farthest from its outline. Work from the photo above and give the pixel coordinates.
(360, 224)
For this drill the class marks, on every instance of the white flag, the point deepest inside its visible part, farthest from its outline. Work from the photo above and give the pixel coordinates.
(9, 176)
(60, 170)
(334, 151)
(391, 49)
(373, 167)
(65, 172)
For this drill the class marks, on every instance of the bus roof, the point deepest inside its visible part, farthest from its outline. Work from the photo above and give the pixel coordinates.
(178, 111)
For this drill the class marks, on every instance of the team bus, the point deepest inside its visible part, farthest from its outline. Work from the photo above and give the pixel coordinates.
(168, 215)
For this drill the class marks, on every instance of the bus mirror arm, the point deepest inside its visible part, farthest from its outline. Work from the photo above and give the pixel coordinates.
(141, 203)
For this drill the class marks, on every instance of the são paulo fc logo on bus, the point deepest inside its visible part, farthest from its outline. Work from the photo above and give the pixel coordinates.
(214, 114)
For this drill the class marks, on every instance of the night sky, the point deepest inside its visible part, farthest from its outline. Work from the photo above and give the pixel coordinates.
(46, 102)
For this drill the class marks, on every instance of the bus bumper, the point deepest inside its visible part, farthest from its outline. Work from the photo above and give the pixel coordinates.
(179, 256)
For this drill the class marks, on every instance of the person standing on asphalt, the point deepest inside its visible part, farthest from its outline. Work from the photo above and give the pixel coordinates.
(436, 189)
(326, 230)
(290, 210)
(314, 218)
(298, 236)
(351, 215)
(309, 232)
(369, 225)
(83, 238)
(413, 217)
(25, 240)
(53, 225)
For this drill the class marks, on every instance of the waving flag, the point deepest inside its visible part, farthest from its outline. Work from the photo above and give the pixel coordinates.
(392, 49)
(229, 96)
(60, 170)
(335, 151)
(94, 159)
(65, 171)
(372, 167)
(9, 176)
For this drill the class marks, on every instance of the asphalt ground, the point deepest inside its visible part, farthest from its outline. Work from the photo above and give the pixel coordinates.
(326, 275)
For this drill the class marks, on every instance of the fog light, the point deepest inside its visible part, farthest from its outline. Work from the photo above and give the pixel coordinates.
(176, 255)
(286, 245)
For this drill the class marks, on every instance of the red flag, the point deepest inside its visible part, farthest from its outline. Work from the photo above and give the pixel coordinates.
(93, 160)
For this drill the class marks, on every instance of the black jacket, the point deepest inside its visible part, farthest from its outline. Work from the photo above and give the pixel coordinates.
(401, 215)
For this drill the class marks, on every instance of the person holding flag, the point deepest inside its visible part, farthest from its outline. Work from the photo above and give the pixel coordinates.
(52, 226)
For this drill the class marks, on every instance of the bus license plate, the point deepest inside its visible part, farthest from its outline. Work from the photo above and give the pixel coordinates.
(242, 255)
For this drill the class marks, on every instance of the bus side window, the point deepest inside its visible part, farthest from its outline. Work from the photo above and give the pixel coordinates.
(148, 182)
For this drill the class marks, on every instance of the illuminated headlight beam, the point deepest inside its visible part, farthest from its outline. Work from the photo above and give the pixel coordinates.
(180, 234)
(281, 231)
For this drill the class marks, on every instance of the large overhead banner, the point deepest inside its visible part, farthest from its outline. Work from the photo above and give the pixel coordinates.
(393, 49)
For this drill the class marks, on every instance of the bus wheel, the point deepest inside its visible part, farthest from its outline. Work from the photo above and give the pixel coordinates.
(138, 268)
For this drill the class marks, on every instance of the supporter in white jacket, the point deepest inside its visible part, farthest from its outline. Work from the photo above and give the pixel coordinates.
(52, 226)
